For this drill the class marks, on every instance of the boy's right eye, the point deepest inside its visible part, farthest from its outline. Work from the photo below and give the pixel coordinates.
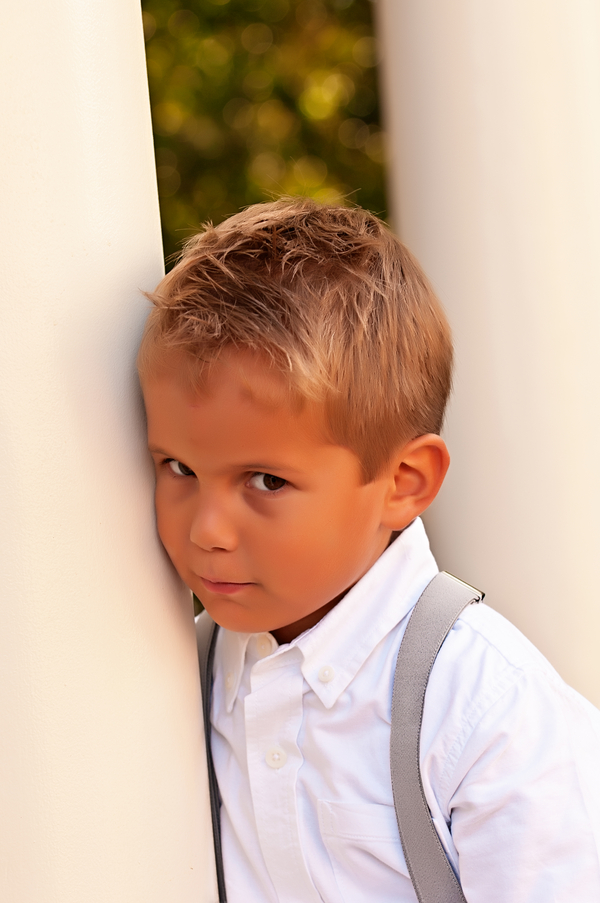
(182, 470)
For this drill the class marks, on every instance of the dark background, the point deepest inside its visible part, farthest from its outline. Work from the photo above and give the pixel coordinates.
(252, 99)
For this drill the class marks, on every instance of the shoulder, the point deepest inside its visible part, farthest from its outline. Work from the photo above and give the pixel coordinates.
(486, 653)
(495, 631)
(485, 657)
(490, 688)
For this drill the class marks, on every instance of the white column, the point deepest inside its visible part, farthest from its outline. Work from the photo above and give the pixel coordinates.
(494, 114)
(102, 777)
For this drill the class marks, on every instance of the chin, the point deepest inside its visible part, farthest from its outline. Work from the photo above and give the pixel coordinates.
(232, 616)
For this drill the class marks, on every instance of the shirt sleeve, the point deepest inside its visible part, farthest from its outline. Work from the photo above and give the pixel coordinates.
(523, 797)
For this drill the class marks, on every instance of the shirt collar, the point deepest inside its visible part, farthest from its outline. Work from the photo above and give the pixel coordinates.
(334, 650)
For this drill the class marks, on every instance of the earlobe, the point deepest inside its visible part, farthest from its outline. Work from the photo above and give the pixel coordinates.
(416, 473)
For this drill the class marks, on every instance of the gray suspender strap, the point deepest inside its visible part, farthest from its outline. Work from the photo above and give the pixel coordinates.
(206, 636)
(432, 618)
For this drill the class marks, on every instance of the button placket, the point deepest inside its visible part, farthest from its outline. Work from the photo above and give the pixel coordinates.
(273, 717)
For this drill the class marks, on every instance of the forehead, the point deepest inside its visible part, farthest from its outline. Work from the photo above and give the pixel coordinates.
(238, 399)
(253, 375)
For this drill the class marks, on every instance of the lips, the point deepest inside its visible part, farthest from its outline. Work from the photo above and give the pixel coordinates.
(222, 586)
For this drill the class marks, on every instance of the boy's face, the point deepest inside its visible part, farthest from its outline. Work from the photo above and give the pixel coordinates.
(264, 519)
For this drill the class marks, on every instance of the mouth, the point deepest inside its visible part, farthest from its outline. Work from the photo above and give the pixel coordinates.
(220, 586)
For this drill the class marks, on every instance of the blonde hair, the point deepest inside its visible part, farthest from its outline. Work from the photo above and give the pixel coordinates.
(334, 300)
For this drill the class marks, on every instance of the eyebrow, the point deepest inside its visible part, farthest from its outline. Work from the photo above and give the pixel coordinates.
(158, 451)
(267, 468)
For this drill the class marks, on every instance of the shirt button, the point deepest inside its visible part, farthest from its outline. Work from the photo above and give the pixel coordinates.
(264, 645)
(326, 674)
(276, 757)
(229, 678)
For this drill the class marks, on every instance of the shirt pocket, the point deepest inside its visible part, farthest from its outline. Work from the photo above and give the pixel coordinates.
(365, 851)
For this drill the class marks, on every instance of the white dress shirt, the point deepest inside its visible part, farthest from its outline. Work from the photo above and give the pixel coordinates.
(509, 756)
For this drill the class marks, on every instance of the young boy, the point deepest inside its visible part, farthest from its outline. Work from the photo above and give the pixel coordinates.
(295, 370)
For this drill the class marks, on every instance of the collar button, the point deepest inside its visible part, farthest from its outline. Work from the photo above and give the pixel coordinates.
(264, 644)
(326, 674)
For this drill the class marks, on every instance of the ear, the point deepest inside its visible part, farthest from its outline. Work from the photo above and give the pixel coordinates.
(415, 475)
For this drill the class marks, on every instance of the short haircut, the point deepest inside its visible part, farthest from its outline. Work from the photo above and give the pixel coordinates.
(337, 304)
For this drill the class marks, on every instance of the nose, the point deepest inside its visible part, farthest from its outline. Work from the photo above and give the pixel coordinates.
(212, 527)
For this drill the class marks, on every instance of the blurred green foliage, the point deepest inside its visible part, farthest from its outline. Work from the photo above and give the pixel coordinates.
(256, 98)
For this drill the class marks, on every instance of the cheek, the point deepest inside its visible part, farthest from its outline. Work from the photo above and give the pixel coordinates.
(301, 556)
(335, 540)
(168, 522)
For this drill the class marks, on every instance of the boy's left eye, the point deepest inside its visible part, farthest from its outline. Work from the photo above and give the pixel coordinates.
(266, 482)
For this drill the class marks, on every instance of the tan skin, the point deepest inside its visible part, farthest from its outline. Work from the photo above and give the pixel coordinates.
(264, 518)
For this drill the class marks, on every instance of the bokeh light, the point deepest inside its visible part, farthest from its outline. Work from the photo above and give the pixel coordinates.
(256, 98)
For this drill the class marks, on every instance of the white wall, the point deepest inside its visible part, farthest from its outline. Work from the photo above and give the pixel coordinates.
(494, 114)
(102, 776)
